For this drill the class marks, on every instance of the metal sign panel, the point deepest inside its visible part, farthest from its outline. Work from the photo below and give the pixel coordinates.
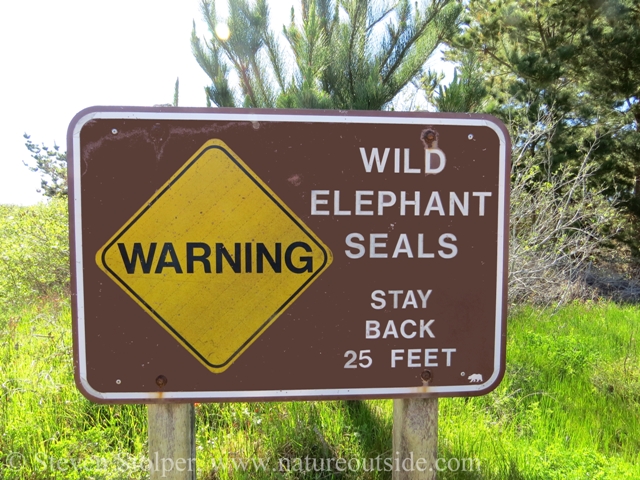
(222, 254)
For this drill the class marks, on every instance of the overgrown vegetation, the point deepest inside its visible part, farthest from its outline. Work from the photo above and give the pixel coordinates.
(562, 226)
(34, 252)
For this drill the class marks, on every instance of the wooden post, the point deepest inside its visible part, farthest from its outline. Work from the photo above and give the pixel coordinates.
(172, 441)
(415, 438)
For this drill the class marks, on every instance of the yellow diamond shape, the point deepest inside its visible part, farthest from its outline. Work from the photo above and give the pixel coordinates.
(214, 256)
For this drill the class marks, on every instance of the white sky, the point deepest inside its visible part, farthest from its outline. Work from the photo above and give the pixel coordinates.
(60, 56)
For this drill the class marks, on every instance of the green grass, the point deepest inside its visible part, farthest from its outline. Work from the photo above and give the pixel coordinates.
(43, 418)
(568, 408)
(569, 405)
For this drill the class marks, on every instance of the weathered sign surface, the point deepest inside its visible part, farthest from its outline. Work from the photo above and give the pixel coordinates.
(275, 254)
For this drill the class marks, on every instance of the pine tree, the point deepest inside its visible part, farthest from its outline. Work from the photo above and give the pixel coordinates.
(52, 165)
(575, 63)
(609, 67)
(348, 54)
(176, 92)
(466, 93)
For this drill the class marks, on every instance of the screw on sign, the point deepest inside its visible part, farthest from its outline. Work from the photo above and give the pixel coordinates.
(347, 255)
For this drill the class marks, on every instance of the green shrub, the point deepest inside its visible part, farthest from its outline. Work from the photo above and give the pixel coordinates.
(563, 225)
(34, 251)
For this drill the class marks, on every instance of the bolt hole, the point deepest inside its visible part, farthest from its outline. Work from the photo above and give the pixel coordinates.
(161, 381)
(114, 131)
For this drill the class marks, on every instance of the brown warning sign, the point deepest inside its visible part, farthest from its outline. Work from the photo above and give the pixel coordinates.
(275, 254)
